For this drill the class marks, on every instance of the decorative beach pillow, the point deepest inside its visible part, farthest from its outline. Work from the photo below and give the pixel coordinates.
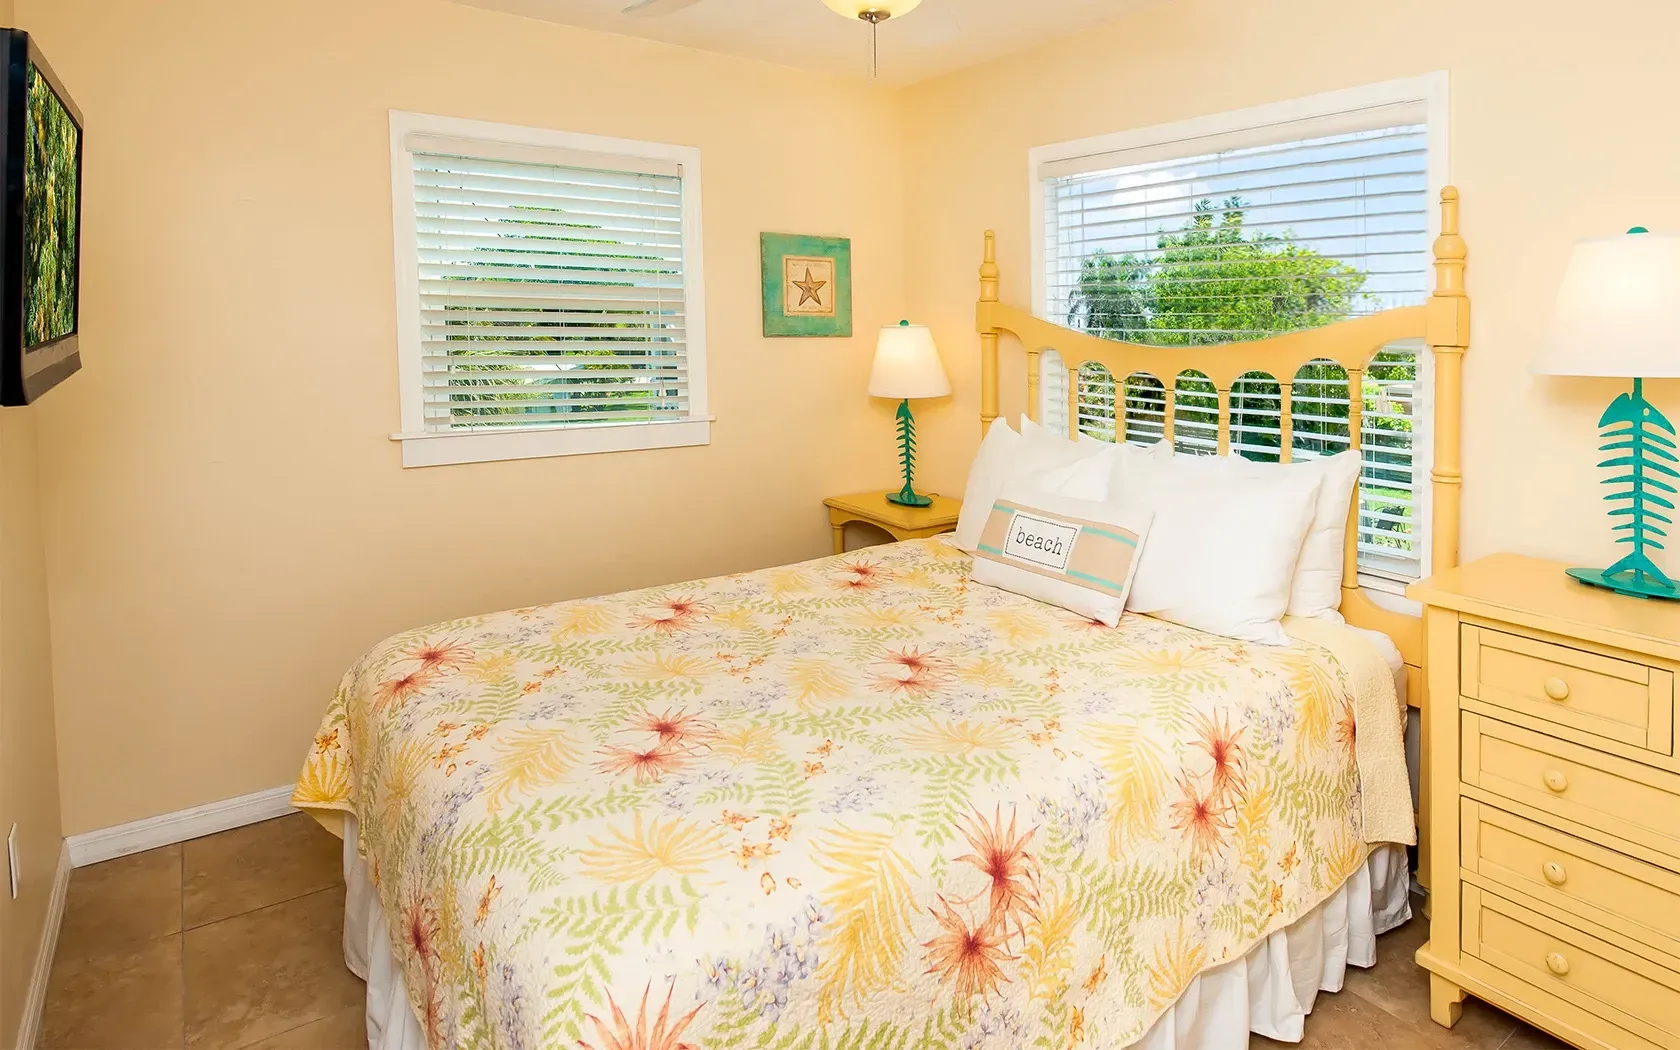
(1078, 554)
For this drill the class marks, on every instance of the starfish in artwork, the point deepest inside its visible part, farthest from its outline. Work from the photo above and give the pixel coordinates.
(809, 289)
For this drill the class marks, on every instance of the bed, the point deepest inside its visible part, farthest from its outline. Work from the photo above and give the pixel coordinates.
(863, 801)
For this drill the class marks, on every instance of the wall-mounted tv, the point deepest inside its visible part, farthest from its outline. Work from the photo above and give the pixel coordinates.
(40, 224)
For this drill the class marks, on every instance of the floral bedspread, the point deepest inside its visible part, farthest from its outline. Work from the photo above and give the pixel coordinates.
(858, 801)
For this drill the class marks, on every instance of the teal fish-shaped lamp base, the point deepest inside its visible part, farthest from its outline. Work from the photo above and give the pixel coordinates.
(1632, 581)
(1645, 475)
(907, 496)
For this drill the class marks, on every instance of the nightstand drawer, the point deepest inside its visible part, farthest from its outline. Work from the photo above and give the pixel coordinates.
(1595, 790)
(1635, 899)
(1637, 993)
(1615, 699)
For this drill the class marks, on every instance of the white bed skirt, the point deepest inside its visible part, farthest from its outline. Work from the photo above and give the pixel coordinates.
(1269, 991)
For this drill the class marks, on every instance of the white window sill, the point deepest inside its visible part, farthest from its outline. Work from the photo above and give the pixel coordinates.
(445, 447)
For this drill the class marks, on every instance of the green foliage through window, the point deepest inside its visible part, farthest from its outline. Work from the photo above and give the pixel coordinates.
(1212, 281)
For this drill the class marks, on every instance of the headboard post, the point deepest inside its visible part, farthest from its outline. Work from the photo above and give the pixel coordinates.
(1119, 408)
(1448, 334)
(1034, 410)
(1286, 420)
(1224, 420)
(988, 336)
(1073, 406)
(1356, 442)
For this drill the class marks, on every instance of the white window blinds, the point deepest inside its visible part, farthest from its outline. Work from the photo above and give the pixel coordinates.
(549, 293)
(1275, 228)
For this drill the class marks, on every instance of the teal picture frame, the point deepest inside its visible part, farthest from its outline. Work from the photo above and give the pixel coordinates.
(807, 285)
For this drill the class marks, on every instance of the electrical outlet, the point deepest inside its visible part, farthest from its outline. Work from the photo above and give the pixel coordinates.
(12, 859)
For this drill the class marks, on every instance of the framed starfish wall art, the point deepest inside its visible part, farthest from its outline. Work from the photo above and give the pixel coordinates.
(807, 285)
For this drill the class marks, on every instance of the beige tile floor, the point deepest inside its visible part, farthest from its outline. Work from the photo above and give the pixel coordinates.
(232, 941)
(229, 941)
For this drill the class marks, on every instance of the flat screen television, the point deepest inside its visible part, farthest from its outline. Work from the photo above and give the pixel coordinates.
(40, 225)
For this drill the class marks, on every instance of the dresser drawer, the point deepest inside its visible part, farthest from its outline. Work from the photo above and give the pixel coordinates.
(1619, 700)
(1592, 789)
(1635, 899)
(1636, 993)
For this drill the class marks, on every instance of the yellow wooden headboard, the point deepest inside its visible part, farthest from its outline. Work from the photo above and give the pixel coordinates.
(1443, 323)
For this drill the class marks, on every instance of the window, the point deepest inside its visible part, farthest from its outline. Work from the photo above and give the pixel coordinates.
(1243, 226)
(549, 299)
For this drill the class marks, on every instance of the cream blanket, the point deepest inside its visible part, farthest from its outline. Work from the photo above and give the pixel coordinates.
(1380, 743)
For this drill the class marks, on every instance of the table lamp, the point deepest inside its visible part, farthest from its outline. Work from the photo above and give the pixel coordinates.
(1618, 314)
(906, 366)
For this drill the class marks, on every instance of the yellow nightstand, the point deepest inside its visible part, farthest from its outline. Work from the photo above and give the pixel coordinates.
(902, 523)
(1555, 803)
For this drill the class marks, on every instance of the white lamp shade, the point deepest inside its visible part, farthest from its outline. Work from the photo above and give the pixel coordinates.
(854, 8)
(907, 364)
(1618, 310)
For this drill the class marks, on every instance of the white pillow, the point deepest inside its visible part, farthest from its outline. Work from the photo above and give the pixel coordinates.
(1222, 555)
(1081, 555)
(992, 464)
(1036, 432)
(1005, 456)
(1316, 590)
(1086, 478)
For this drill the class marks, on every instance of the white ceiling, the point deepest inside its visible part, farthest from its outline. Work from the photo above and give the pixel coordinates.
(937, 37)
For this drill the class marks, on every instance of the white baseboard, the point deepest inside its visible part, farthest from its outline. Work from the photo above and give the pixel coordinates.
(91, 847)
(30, 1026)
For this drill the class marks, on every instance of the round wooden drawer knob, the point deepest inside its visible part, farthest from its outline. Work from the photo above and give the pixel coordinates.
(1556, 963)
(1557, 689)
(1556, 781)
(1554, 872)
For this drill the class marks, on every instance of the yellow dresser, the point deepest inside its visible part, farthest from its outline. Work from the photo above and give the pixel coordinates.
(1553, 789)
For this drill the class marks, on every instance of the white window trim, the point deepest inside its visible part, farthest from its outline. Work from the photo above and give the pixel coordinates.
(1431, 90)
(423, 448)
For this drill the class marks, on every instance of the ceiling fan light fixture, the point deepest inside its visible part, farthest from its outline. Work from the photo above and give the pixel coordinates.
(872, 10)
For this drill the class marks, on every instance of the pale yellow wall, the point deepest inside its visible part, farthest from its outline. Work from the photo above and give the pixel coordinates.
(28, 761)
(228, 526)
(28, 757)
(1556, 134)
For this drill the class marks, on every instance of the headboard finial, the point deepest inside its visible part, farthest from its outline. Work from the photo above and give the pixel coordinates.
(1449, 248)
(1449, 245)
(989, 270)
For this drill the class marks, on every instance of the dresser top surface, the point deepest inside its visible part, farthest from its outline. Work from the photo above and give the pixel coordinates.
(1534, 592)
